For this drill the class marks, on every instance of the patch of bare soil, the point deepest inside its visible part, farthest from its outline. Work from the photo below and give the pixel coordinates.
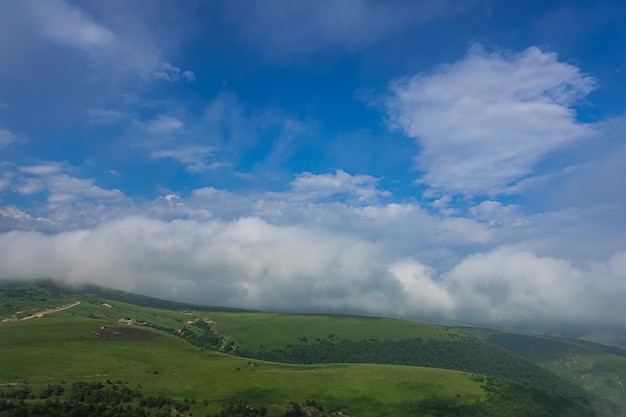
(128, 333)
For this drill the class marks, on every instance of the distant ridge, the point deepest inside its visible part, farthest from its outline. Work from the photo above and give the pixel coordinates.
(60, 288)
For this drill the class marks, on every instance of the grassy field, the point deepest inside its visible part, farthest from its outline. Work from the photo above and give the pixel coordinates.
(52, 336)
(56, 349)
(252, 330)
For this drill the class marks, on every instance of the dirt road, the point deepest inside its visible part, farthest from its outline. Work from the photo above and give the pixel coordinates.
(40, 314)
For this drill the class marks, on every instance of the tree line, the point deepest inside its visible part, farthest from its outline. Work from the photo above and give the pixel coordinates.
(468, 354)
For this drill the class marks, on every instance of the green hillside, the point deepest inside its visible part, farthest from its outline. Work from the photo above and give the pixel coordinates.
(597, 368)
(261, 331)
(78, 352)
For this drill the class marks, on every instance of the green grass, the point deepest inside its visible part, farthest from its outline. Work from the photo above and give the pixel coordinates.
(586, 365)
(54, 349)
(17, 303)
(61, 348)
(250, 331)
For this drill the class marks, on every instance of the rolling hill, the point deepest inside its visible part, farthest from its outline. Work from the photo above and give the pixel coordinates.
(597, 368)
(99, 351)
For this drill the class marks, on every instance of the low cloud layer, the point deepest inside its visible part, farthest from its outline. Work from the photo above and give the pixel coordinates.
(251, 263)
(246, 262)
(299, 251)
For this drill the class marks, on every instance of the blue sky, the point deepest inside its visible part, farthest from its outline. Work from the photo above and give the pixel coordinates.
(446, 160)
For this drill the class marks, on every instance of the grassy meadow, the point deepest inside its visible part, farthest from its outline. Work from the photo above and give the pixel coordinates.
(254, 330)
(50, 337)
(61, 347)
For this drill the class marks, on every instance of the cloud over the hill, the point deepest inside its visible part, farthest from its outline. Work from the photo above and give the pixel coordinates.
(251, 263)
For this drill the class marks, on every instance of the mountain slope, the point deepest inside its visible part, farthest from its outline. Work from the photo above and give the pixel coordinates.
(181, 352)
(597, 368)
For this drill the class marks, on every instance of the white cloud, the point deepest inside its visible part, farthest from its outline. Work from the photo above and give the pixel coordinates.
(65, 201)
(42, 169)
(246, 262)
(310, 186)
(194, 157)
(14, 212)
(12, 218)
(512, 285)
(444, 206)
(463, 230)
(69, 25)
(30, 186)
(65, 188)
(6, 137)
(59, 185)
(484, 122)
(316, 247)
(251, 263)
(422, 295)
(116, 42)
(168, 72)
(79, 188)
(164, 124)
(495, 213)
